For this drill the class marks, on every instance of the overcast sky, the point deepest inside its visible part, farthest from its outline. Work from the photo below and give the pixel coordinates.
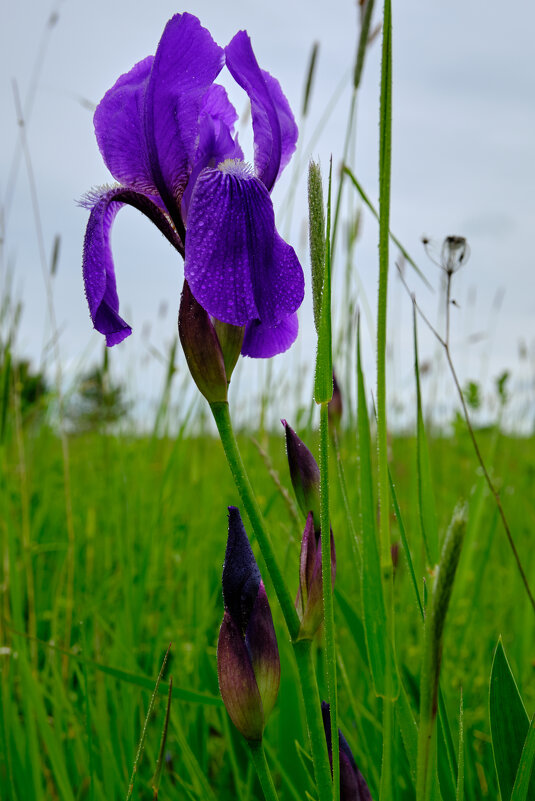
(463, 163)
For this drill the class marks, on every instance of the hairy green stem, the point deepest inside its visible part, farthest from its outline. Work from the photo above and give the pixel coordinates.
(221, 413)
(328, 607)
(258, 755)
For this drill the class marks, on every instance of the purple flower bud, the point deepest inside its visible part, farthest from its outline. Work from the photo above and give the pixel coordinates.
(309, 601)
(305, 475)
(201, 348)
(353, 786)
(248, 663)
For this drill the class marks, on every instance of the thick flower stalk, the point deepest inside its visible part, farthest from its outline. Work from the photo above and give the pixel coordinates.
(248, 663)
(353, 786)
(166, 132)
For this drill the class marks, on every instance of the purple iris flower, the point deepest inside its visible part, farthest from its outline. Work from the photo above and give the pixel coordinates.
(166, 133)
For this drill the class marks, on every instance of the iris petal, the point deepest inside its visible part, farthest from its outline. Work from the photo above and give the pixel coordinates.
(119, 128)
(262, 341)
(98, 268)
(237, 266)
(186, 63)
(275, 131)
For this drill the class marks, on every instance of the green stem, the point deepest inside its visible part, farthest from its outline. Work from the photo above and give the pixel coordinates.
(382, 444)
(262, 771)
(221, 413)
(307, 676)
(328, 607)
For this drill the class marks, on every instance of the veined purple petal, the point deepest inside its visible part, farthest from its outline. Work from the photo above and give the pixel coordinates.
(120, 130)
(261, 642)
(262, 341)
(98, 268)
(186, 63)
(241, 576)
(216, 142)
(237, 266)
(275, 132)
(237, 683)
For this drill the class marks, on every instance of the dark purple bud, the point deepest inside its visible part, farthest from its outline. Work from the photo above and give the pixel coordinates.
(309, 601)
(305, 475)
(201, 348)
(353, 786)
(231, 341)
(335, 406)
(248, 663)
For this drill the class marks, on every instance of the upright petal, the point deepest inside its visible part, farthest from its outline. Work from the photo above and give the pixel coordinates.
(98, 268)
(275, 131)
(237, 266)
(120, 128)
(186, 63)
(216, 142)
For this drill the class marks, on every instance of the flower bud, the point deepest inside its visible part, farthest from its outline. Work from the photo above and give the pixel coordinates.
(353, 786)
(305, 475)
(248, 663)
(201, 348)
(309, 603)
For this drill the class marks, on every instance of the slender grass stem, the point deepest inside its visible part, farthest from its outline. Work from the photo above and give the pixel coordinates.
(490, 484)
(258, 755)
(355, 543)
(385, 147)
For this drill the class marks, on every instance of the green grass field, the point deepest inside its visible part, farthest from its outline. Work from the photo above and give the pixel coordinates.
(87, 615)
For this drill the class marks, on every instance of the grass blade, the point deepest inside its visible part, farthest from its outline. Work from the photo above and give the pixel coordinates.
(509, 722)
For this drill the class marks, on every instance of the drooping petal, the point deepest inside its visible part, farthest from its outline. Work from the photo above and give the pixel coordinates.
(237, 682)
(261, 642)
(262, 341)
(120, 128)
(237, 265)
(186, 63)
(98, 268)
(241, 576)
(275, 131)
